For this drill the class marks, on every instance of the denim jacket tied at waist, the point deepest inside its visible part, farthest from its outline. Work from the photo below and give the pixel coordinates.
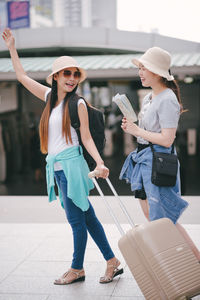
(163, 201)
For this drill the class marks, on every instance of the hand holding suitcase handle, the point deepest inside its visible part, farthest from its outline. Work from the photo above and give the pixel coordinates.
(94, 174)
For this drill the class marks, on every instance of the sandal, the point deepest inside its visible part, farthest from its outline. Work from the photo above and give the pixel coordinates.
(115, 272)
(63, 279)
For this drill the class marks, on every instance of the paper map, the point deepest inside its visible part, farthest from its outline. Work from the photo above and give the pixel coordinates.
(125, 106)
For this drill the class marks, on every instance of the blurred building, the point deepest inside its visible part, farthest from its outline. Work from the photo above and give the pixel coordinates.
(73, 13)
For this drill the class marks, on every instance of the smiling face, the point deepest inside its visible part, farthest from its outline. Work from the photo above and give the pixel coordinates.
(67, 79)
(148, 79)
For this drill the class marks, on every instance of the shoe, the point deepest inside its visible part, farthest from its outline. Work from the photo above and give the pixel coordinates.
(63, 279)
(116, 272)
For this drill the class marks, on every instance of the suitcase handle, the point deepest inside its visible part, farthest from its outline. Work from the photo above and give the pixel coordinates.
(92, 175)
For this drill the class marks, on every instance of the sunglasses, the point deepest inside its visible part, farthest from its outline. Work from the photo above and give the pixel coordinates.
(68, 73)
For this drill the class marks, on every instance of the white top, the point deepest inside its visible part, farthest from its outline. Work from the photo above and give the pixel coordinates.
(56, 141)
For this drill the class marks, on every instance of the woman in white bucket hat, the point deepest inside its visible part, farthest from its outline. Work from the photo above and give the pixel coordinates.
(65, 159)
(158, 121)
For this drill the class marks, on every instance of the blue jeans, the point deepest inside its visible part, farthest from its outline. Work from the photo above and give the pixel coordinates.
(81, 222)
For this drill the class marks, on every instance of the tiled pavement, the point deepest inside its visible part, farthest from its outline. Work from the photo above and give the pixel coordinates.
(33, 254)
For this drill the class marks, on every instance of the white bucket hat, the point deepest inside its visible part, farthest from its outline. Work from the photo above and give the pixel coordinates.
(157, 61)
(64, 62)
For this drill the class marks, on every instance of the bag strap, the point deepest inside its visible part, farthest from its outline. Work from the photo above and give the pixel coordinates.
(48, 97)
(73, 112)
(153, 151)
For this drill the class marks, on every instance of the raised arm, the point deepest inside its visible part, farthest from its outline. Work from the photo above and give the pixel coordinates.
(33, 86)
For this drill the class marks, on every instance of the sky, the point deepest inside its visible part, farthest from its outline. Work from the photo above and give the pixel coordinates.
(174, 18)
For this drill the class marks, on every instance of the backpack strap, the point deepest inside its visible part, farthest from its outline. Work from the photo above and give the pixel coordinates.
(48, 97)
(73, 111)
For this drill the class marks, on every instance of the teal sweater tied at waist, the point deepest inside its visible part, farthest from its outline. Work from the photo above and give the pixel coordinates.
(76, 172)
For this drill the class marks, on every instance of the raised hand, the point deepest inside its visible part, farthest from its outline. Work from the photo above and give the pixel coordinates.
(8, 38)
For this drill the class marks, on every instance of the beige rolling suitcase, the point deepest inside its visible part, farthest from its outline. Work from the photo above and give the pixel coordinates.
(161, 262)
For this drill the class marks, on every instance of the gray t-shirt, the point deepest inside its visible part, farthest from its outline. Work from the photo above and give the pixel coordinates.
(163, 111)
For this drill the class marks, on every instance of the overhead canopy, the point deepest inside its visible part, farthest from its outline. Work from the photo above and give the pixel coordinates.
(101, 66)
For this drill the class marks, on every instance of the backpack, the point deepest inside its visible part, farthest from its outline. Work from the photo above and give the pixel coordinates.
(96, 126)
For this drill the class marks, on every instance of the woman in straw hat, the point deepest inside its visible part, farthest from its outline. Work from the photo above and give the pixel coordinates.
(158, 121)
(65, 160)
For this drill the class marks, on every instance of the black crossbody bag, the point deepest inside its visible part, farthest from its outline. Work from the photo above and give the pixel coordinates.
(164, 167)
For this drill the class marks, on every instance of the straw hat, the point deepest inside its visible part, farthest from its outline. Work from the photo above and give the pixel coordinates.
(157, 61)
(64, 62)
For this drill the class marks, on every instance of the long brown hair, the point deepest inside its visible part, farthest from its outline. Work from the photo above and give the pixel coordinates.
(44, 121)
(173, 85)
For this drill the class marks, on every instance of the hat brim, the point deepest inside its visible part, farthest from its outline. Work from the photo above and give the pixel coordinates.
(82, 78)
(152, 68)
